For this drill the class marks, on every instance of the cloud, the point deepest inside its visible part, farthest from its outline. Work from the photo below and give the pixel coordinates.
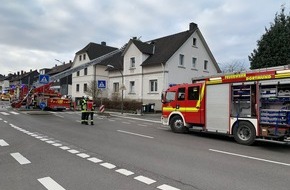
(35, 32)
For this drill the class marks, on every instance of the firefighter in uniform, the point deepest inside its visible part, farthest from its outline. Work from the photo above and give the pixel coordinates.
(84, 111)
(90, 110)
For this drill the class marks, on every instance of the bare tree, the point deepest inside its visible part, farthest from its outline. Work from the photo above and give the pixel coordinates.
(233, 66)
(92, 90)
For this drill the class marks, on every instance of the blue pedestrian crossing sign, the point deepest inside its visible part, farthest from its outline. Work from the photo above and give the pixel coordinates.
(102, 84)
(44, 79)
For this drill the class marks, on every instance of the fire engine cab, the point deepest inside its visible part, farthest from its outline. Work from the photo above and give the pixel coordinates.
(250, 106)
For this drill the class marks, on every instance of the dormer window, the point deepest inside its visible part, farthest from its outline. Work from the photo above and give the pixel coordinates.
(84, 56)
(132, 62)
(80, 57)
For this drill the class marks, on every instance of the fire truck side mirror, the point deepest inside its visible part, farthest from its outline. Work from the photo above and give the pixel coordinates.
(162, 98)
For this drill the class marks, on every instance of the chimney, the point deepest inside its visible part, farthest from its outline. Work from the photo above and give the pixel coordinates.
(30, 70)
(18, 73)
(134, 38)
(103, 43)
(70, 61)
(55, 65)
(192, 26)
(21, 72)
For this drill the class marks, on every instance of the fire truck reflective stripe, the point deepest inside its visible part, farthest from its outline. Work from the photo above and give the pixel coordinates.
(201, 96)
(282, 75)
(182, 109)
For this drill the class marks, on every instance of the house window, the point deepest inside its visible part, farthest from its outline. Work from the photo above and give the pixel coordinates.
(116, 87)
(205, 65)
(153, 85)
(132, 62)
(84, 56)
(132, 86)
(80, 57)
(85, 87)
(194, 41)
(194, 62)
(86, 71)
(77, 87)
(78, 73)
(181, 60)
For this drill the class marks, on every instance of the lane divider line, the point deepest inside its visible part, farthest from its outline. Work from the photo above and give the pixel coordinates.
(108, 165)
(125, 172)
(50, 184)
(19, 158)
(94, 160)
(144, 179)
(3, 143)
(166, 187)
(136, 134)
(250, 157)
(83, 155)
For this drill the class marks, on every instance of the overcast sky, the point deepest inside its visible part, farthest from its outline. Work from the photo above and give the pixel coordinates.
(36, 32)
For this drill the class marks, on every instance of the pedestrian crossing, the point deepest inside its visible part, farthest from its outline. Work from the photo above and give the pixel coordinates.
(9, 113)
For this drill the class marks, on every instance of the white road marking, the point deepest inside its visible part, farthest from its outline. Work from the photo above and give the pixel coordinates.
(250, 157)
(44, 139)
(3, 143)
(166, 187)
(108, 165)
(125, 172)
(132, 118)
(4, 113)
(145, 180)
(136, 134)
(83, 155)
(59, 116)
(5, 121)
(50, 142)
(57, 144)
(1, 119)
(64, 148)
(13, 112)
(50, 184)
(73, 151)
(94, 160)
(19, 158)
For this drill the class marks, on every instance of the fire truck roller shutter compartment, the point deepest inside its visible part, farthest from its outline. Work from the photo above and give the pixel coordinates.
(217, 108)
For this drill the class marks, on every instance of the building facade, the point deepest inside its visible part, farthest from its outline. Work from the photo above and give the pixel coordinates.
(144, 69)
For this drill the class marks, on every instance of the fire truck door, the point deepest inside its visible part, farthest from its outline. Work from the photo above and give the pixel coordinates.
(194, 104)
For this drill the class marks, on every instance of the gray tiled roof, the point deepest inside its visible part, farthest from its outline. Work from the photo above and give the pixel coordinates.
(96, 50)
(59, 68)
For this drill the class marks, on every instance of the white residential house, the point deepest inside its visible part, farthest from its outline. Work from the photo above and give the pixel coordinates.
(150, 67)
(147, 68)
(82, 79)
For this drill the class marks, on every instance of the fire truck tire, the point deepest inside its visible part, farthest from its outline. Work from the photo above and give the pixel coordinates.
(177, 125)
(244, 133)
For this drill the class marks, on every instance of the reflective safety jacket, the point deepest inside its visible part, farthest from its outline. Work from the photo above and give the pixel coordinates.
(83, 105)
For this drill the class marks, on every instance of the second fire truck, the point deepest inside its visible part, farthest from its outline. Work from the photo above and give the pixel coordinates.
(251, 106)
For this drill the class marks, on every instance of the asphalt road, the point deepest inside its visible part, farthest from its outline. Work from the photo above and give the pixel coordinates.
(54, 151)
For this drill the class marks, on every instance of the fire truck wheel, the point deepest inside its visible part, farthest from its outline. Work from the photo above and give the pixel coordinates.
(177, 125)
(244, 133)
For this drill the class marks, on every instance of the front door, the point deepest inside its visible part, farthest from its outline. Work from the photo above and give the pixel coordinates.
(195, 103)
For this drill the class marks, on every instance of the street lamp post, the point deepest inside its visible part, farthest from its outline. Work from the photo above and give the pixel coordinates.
(121, 88)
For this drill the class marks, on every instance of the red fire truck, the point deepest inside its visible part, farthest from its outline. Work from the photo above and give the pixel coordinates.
(251, 106)
(41, 97)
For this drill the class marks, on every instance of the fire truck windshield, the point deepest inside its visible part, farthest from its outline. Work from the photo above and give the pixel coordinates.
(169, 96)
